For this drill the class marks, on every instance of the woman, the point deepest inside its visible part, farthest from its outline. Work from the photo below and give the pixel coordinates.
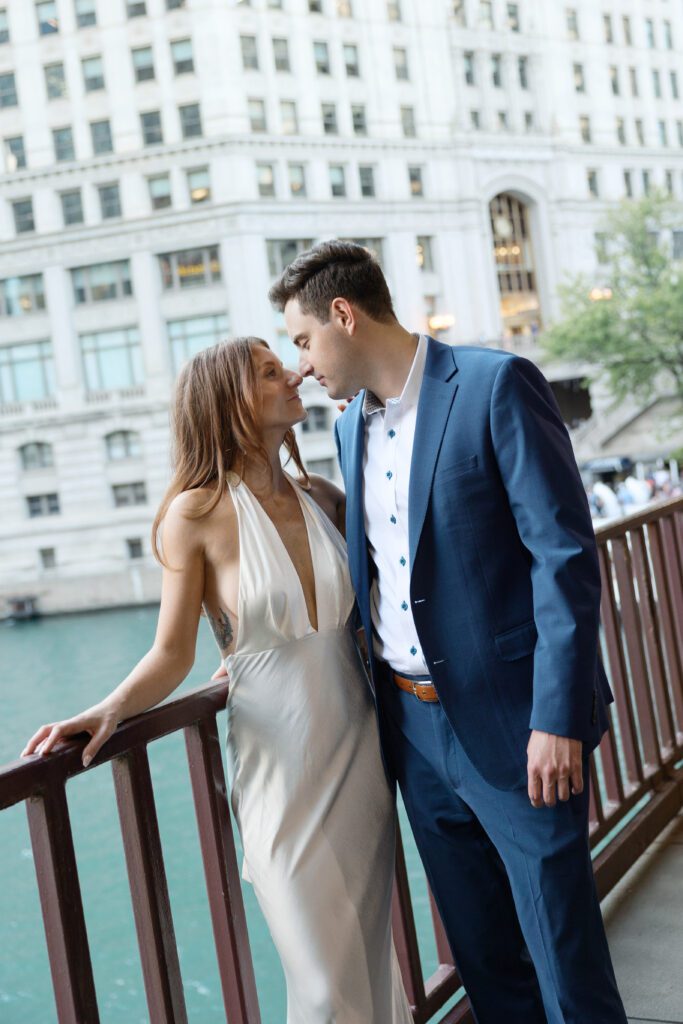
(263, 555)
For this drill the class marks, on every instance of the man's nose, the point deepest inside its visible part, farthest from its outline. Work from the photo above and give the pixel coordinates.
(305, 368)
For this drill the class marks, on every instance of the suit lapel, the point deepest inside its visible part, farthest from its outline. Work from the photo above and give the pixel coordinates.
(436, 398)
(353, 480)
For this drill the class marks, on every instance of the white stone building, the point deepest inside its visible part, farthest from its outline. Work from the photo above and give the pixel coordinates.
(162, 160)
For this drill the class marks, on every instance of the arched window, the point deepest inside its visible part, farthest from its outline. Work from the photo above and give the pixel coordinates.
(36, 455)
(514, 256)
(318, 419)
(123, 444)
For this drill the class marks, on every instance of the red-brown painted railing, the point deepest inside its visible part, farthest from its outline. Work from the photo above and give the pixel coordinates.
(636, 784)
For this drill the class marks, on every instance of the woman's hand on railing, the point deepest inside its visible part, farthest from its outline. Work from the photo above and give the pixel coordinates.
(99, 722)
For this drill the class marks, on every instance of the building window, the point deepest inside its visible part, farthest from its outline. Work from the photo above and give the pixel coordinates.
(394, 10)
(282, 251)
(601, 247)
(486, 13)
(640, 131)
(322, 467)
(110, 201)
(315, 6)
(101, 282)
(351, 61)
(8, 90)
(257, 115)
(63, 141)
(592, 182)
(321, 55)
(199, 185)
(646, 182)
(663, 133)
(503, 120)
(42, 505)
(15, 153)
(608, 28)
(628, 184)
(48, 559)
(459, 13)
(21, 295)
(289, 119)
(183, 59)
(249, 53)
(344, 9)
(572, 19)
(650, 33)
(614, 80)
(668, 36)
(657, 84)
(122, 444)
(55, 82)
(633, 78)
(679, 131)
(159, 186)
(329, 115)
(93, 73)
(36, 455)
(470, 71)
(4, 27)
(297, 180)
(134, 548)
(150, 123)
(408, 122)
(497, 70)
(174, 5)
(359, 119)
(281, 55)
(318, 419)
(585, 129)
(190, 120)
(136, 8)
(579, 78)
(112, 359)
(143, 63)
(85, 13)
(187, 337)
(423, 252)
(27, 372)
(48, 21)
(72, 207)
(621, 131)
(129, 494)
(337, 181)
(523, 71)
(265, 180)
(669, 182)
(401, 63)
(626, 26)
(513, 18)
(673, 79)
(190, 268)
(100, 133)
(475, 120)
(366, 177)
(529, 124)
(22, 210)
(677, 237)
(415, 181)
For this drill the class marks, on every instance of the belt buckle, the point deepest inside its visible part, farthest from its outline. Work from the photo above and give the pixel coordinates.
(415, 685)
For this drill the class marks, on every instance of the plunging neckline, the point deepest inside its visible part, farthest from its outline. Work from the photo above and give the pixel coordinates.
(305, 514)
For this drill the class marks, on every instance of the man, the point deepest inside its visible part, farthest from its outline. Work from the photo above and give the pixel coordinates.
(474, 563)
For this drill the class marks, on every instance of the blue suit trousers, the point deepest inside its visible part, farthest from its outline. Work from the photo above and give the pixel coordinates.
(514, 884)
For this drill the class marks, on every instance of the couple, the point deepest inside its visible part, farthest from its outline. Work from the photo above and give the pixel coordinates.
(473, 561)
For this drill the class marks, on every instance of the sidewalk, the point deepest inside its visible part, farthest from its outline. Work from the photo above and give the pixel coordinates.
(644, 918)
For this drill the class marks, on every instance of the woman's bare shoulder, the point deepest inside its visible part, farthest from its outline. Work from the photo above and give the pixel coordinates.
(324, 491)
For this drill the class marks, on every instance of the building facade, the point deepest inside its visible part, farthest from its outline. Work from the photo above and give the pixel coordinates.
(162, 161)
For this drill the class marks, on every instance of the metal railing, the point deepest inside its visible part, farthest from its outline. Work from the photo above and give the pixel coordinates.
(636, 789)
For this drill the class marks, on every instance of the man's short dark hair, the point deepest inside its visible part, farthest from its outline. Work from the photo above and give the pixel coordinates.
(334, 270)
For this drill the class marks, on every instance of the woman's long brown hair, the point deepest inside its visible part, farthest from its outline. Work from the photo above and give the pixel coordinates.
(215, 425)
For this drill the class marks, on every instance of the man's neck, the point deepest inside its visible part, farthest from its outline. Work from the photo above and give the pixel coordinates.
(393, 354)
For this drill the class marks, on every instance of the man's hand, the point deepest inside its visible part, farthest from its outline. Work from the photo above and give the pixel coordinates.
(554, 768)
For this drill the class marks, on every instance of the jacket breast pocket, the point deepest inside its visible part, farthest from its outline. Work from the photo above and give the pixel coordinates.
(517, 642)
(453, 469)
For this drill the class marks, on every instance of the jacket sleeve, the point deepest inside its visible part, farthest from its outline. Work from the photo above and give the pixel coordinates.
(548, 502)
(337, 441)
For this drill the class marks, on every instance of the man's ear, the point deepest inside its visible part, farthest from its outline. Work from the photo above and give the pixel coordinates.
(343, 315)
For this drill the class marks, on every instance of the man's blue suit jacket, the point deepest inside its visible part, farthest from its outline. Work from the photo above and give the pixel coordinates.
(505, 581)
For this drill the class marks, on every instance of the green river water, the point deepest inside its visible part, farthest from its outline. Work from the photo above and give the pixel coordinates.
(52, 668)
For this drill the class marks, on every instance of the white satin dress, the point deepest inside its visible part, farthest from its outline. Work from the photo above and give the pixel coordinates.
(308, 789)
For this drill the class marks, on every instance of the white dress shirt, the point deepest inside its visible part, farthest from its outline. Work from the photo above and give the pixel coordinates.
(389, 436)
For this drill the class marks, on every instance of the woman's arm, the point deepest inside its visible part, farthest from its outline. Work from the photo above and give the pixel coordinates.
(171, 657)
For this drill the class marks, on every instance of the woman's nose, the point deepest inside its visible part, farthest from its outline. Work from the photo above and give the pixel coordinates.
(294, 379)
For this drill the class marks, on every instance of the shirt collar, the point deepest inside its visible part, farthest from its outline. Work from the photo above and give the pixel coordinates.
(411, 388)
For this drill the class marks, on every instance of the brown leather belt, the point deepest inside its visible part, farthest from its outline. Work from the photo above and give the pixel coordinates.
(423, 691)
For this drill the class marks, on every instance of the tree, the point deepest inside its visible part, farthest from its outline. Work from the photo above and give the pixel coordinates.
(631, 332)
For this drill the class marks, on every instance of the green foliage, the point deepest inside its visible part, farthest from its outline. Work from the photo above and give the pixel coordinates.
(634, 338)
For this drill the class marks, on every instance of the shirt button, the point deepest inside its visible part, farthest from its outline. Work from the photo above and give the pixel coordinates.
(392, 519)
(392, 433)
(403, 561)
(389, 475)
(413, 650)
(404, 606)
